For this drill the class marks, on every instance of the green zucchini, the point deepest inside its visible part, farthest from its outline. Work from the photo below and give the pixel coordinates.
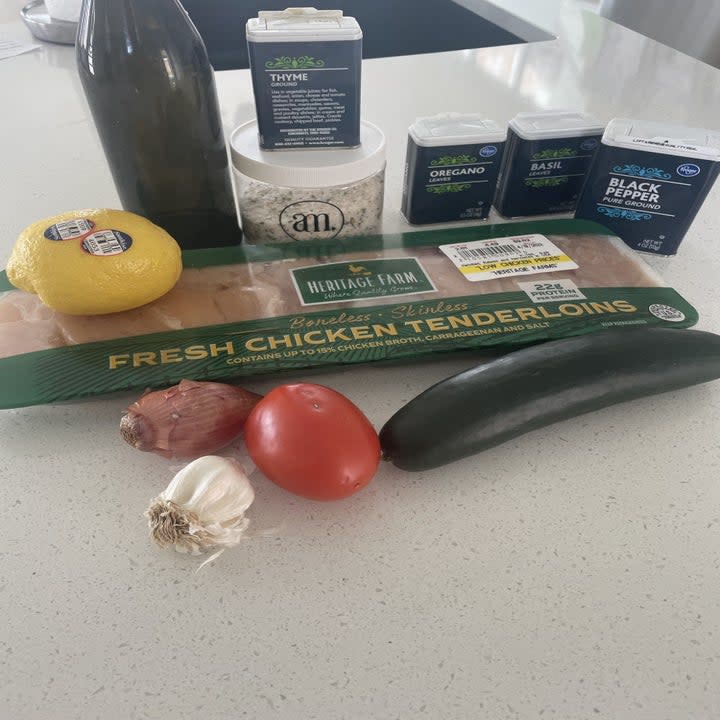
(542, 384)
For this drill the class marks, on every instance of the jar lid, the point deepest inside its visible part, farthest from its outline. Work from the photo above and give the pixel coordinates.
(548, 124)
(455, 128)
(308, 167)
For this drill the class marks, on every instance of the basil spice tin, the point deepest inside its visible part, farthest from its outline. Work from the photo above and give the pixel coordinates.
(547, 157)
(451, 168)
(648, 181)
(305, 66)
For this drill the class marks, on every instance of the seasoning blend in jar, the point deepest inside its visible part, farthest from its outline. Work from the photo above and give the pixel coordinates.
(305, 65)
(648, 181)
(292, 195)
(547, 157)
(451, 168)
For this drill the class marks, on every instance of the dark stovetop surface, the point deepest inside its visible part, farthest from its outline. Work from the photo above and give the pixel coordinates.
(390, 27)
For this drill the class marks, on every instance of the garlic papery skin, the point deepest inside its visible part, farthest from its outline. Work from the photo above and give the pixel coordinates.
(203, 507)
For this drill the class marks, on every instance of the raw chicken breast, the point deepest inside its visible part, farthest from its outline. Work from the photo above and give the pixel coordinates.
(26, 324)
(78, 329)
(19, 336)
(234, 293)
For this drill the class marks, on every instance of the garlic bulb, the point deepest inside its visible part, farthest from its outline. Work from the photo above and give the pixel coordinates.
(203, 506)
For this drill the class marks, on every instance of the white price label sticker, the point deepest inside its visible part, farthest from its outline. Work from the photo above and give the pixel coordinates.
(505, 257)
(69, 229)
(106, 242)
(552, 290)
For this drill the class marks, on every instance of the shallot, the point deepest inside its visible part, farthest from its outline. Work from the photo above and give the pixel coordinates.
(189, 419)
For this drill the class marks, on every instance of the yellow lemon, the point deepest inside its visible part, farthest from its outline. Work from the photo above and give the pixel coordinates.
(91, 262)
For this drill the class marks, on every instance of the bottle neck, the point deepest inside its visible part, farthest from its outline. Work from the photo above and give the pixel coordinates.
(114, 15)
(129, 21)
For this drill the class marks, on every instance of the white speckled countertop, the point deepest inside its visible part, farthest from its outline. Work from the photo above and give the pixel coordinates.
(571, 574)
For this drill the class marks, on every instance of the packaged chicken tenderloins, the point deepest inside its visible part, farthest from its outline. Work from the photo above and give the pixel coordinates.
(267, 308)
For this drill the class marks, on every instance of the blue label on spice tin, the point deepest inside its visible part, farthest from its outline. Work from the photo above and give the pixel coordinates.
(543, 176)
(450, 182)
(303, 100)
(649, 199)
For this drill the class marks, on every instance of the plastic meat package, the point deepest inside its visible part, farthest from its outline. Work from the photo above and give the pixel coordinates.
(262, 309)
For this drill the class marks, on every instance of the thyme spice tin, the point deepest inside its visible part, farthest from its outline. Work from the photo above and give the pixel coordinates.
(305, 65)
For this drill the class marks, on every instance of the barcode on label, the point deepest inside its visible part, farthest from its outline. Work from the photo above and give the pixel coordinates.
(106, 242)
(69, 229)
(486, 252)
(73, 228)
(490, 258)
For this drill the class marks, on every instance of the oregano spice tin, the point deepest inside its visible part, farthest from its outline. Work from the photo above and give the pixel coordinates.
(451, 168)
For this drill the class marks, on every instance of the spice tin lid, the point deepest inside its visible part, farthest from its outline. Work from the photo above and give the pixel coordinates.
(554, 123)
(455, 129)
(301, 24)
(663, 138)
(322, 167)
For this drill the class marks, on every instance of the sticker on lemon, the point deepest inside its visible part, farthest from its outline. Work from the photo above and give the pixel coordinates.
(92, 262)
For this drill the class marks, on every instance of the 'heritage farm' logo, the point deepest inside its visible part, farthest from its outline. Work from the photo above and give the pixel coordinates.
(347, 282)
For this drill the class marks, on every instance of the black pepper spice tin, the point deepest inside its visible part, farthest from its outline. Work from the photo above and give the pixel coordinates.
(451, 168)
(649, 180)
(547, 157)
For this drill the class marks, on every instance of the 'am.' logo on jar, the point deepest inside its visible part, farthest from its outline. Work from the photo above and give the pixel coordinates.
(312, 219)
(688, 170)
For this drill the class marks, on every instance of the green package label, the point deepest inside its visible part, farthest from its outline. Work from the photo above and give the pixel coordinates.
(347, 281)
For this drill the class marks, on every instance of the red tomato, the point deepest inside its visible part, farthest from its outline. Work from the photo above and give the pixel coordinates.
(312, 441)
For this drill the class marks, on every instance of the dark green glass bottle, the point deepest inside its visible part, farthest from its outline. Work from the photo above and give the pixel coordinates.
(151, 90)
